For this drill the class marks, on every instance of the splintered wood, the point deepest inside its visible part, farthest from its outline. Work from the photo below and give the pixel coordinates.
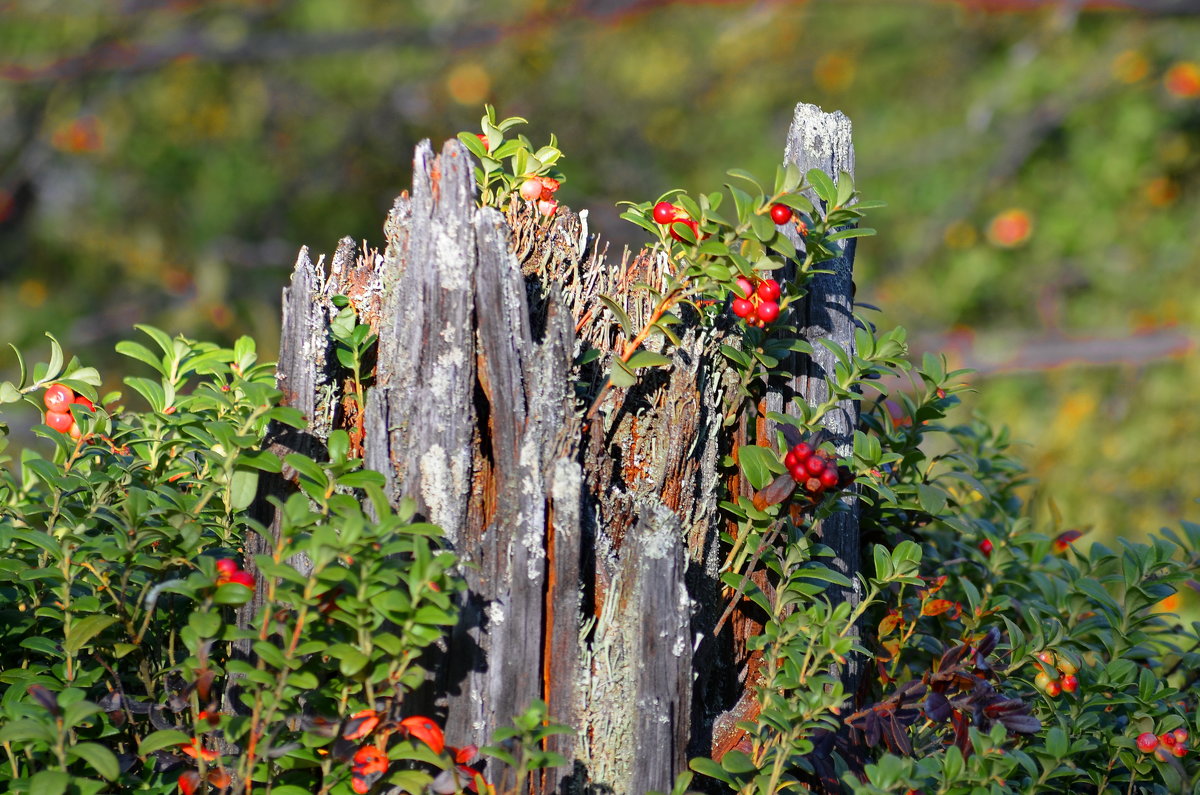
(593, 548)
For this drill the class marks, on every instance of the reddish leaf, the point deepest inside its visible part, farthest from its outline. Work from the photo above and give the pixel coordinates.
(889, 623)
(361, 724)
(935, 607)
(426, 731)
(1065, 539)
(369, 765)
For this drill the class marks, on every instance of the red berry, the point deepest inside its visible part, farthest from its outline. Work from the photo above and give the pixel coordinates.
(1147, 742)
(58, 397)
(487, 146)
(802, 450)
(742, 307)
(791, 459)
(768, 311)
(1167, 739)
(664, 213)
(549, 186)
(768, 290)
(1181, 735)
(1046, 657)
(1179, 750)
(985, 546)
(829, 478)
(531, 190)
(781, 213)
(226, 566)
(1070, 683)
(80, 400)
(243, 578)
(745, 286)
(547, 207)
(60, 421)
(815, 465)
(1053, 688)
(798, 473)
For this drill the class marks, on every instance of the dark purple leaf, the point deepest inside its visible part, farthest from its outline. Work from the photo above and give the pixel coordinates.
(937, 708)
(988, 644)
(1024, 724)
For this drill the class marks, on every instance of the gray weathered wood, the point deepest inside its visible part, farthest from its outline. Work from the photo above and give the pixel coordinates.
(823, 140)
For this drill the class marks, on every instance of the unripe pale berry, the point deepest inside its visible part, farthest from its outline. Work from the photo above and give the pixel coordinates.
(1181, 735)
(768, 290)
(1042, 680)
(768, 311)
(664, 213)
(1053, 689)
(58, 397)
(74, 431)
(781, 213)
(531, 190)
(60, 421)
(1147, 742)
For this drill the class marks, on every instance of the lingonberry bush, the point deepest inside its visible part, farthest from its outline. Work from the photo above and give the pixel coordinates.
(124, 666)
(986, 653)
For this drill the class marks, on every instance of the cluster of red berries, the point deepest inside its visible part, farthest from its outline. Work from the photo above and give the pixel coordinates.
(757, 302)
(666, 213)
(1174, 743)
(58, 400)
(1063, 680)
(228, 571)
(815, 470)
(541, 190)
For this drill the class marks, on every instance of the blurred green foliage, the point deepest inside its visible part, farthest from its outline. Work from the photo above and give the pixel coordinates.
(162, 162)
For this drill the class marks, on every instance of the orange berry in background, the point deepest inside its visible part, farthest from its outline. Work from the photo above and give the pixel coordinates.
(1183, 80)
(1010, 228)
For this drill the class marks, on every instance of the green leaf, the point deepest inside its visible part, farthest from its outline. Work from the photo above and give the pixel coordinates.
(84, 630)
(822, 185)
(158, 740)
(707, 767)
(49, 782)
(56, 359)
(26, 729)
(242, 488)
(620, 375)
(647, 359)
(757, 464)
(618, 313)
(849, 233)
(102, 760)
(9, 393)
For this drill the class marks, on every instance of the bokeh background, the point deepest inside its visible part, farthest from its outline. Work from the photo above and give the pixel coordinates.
(163, 161)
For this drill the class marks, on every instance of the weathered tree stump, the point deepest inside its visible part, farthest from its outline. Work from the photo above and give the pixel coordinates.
(595, 548)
